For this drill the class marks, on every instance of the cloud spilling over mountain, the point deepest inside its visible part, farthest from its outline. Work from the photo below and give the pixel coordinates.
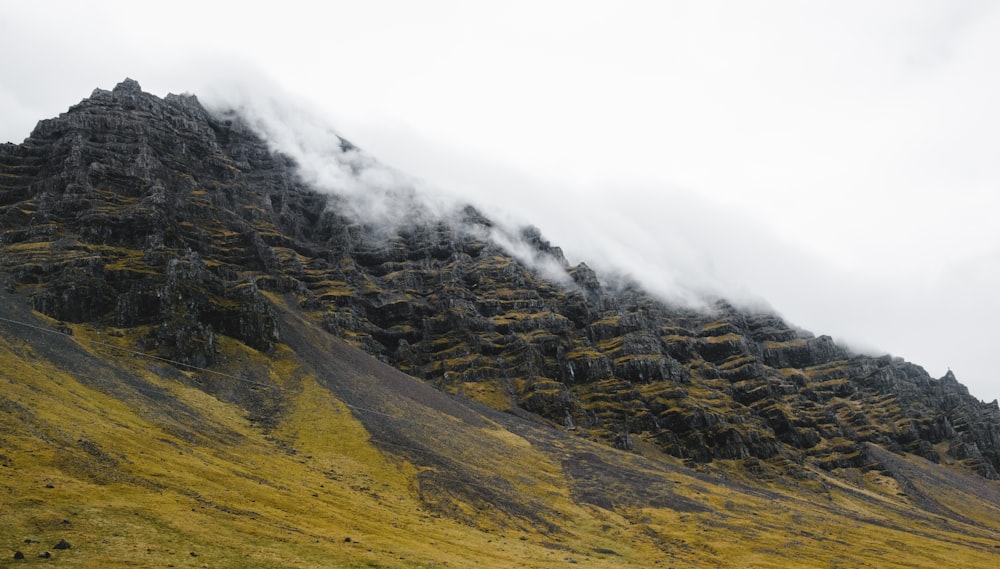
(685, 248)
(325, 160)
(687, 252)
(362, 186)
(389, 199)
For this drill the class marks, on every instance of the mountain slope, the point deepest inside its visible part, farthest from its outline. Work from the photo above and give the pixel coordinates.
(205, 286)
(136, 211)
(134, 464)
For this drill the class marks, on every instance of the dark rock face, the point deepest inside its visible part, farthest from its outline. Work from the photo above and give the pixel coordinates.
(112, 201)
(138, 212)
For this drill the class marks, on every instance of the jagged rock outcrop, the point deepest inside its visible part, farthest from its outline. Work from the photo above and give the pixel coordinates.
(116, 220)
(132, 211)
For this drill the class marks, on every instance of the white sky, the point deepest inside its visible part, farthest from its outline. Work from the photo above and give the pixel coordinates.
(839, 159)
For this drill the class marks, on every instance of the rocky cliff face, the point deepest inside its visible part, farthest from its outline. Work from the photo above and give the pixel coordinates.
(152, 214)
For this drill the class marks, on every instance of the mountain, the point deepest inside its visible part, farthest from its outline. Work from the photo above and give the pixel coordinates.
(209, 362)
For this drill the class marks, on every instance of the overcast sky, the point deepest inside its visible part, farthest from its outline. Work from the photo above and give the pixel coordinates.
(840, 160)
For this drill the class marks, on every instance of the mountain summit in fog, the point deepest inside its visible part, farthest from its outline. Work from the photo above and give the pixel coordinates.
(175, 283)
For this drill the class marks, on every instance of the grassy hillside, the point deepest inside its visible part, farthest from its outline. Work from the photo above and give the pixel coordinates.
(316, 455)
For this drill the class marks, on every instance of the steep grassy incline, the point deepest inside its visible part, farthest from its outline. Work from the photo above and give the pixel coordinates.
(136, 462)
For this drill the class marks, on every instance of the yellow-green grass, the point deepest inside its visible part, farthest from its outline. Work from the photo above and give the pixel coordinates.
(254, 503)
(173, 476)
(728, 337)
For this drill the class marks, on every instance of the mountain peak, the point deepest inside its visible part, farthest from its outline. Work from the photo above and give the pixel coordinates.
(128, 85)
(126, 90)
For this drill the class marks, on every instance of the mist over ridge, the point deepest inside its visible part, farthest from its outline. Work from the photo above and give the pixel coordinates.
(389, 198)
(686, 257)
(680, 246)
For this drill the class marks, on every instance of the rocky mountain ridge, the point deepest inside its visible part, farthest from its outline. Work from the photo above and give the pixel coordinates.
(155, 218)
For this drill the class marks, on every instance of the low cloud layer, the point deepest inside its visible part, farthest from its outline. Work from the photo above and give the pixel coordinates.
(367, 190)
(325, 160)
(672, 252)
